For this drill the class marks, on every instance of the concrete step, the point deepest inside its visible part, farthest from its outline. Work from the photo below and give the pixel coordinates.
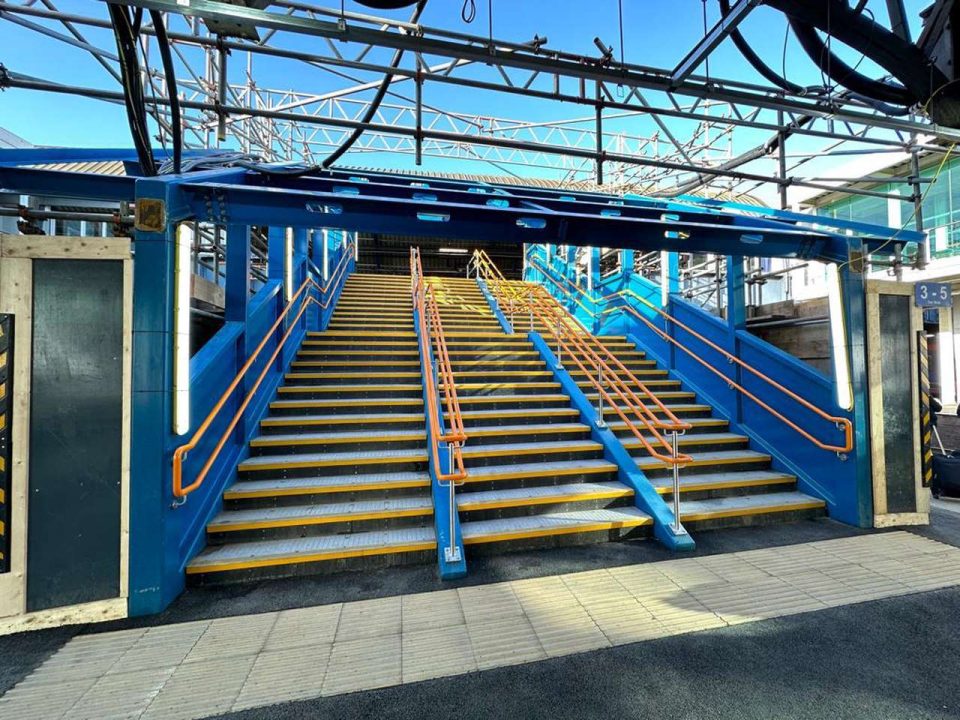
(581, 526)
(315, 554)
(329, 486)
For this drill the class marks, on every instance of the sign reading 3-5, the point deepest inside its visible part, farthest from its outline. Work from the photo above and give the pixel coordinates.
(932, 294)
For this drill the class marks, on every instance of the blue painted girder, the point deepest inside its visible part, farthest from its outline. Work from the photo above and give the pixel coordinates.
(89, 186)
(471, 218)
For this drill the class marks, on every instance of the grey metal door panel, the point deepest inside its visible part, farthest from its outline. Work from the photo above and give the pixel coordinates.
(73, 550)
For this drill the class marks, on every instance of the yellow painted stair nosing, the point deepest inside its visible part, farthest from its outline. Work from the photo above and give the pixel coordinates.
(268, 440)
(246, 467)
(745, 512)
(691, 484)
(319, 489)
(547, 532)
(465, 505)
(276, 560)
(214, 527)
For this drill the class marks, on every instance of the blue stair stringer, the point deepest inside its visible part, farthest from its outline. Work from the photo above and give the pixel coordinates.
(645, 495)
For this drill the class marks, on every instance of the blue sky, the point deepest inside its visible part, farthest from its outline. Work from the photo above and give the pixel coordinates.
(656, 33)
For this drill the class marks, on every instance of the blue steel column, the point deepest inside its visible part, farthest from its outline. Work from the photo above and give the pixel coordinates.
(237, 290)
(626, 267)
(299, 261)
(736, 319)
(858, 510)
(151, 554)
(237, 301)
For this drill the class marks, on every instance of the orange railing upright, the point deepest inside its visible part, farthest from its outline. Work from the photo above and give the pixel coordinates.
(302, 296)
(431, 328)
(842, 423)
(612, 380)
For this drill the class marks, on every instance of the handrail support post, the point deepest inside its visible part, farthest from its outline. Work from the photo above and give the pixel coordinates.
(452, 553)
(559, 346)
(601, 423)
(677, 526)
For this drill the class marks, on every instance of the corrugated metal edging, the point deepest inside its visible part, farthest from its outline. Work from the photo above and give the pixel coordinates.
(97, 167)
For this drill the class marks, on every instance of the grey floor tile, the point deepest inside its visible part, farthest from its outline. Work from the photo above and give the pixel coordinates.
(437, 652)
(285, 675)
(363, 664)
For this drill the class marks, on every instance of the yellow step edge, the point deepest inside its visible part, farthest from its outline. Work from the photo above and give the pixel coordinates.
(495, 451)
(633, 443)
(529, 412)
(342, 353)
(691, 485)
(531, 429)
(278, 560)
(481, 373)
(355, 363)
(484, 399)
(234, 494)
(363, 346)
(325, 520)
(538, 473)
(344, 462)
(751, 459)
(269, 441)
(639, 374)
(381, 402)
(508, 386)
(549, 532)
(344, 387)
(465, 505)
(349, 375)
(745, 512)
(362, 333)
(345, 419)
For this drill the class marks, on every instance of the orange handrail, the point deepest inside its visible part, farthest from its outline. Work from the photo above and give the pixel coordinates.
(577, 345)
(842, 423)
(430, 326)
(180, 453)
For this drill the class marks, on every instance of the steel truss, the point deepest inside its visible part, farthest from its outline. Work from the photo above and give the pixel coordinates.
(696, 146)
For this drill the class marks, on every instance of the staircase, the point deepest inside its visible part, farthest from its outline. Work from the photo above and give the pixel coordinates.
(727, 483)
(535, 476)
(338, 476)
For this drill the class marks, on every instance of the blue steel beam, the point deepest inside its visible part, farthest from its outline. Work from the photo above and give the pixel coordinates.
(475, 222)
(563, 201)
(13, 157)
(89, 186)
(871, 234)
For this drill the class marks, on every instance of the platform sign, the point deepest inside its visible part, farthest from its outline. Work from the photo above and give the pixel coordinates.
(932, 294)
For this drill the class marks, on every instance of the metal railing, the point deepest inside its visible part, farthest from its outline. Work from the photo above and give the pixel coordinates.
(843, 424)
(430, 327)
(613, 382)
(302, 298)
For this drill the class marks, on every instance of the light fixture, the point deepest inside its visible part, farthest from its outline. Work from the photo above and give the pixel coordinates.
(838, 339)
(288, 265)
(664, 278)
(326, 253)
(453, 251)
(182, 273)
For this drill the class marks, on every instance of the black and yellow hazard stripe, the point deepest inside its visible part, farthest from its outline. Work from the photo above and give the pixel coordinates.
(926, 413)
(6, 393)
